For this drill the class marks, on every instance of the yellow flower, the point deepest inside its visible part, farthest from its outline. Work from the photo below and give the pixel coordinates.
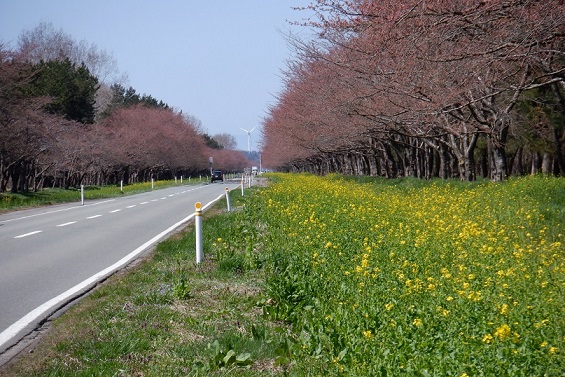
(417, 322)
(367, 334)
(488, 338)
(503, 332)
(388, 307)
(553, 350)
(474, 296)
(504, 309)
(443, 311)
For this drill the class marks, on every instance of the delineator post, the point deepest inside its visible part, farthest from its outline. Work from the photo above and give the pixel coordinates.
(198, 227)
(228, 199)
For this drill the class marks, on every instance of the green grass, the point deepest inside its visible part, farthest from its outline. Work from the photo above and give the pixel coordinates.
(329, 276)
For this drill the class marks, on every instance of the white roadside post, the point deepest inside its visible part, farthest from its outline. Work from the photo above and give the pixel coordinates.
(82, 194)
(242, 184)
(198, 227)
(228, 199)
(122, 185)
(152, 184)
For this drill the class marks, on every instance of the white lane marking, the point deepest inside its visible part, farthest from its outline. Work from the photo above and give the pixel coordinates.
(131, 206)
(93, 217)
(154, 200)
(28, 234)
(32, 316)
(172, 195)
(164, 197)
(116, 210)
(65, 224)
(143, 203)
(59, 210)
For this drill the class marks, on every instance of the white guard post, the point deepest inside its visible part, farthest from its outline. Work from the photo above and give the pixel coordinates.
(228, 199)
(82, 194)
(198, 227)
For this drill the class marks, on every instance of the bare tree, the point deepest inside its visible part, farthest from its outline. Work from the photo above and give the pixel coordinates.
(227, 141)
(45, 43)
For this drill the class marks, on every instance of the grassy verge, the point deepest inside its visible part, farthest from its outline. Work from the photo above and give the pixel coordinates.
(9, 201)
(329, 276)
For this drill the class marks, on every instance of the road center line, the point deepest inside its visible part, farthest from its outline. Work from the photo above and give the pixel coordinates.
(28, 234)
(55, 211)
(143, 203)
(65, 224)
(131, 206)
(93, 217)
(116, 210)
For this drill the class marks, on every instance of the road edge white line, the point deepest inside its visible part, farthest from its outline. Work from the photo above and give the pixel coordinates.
(56, 302)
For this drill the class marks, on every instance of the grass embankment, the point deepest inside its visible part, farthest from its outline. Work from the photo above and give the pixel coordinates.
(55, 195)
(326, 276)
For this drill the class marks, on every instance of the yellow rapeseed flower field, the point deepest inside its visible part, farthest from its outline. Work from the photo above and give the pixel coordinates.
(443, 278)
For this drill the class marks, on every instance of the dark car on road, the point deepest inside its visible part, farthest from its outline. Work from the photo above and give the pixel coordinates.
(217, 175)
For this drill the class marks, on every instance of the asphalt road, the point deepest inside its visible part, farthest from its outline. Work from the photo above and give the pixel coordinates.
(49, 256)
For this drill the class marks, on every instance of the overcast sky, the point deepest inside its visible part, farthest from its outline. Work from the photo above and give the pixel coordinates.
(218, 60)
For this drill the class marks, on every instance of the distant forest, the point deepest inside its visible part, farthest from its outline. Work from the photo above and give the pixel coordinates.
(66, 120)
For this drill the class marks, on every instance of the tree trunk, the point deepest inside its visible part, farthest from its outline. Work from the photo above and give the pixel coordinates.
(499, 163)
(546, 165)
(560, 158)
(464, 149)
(517, 166)
(535, 166)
